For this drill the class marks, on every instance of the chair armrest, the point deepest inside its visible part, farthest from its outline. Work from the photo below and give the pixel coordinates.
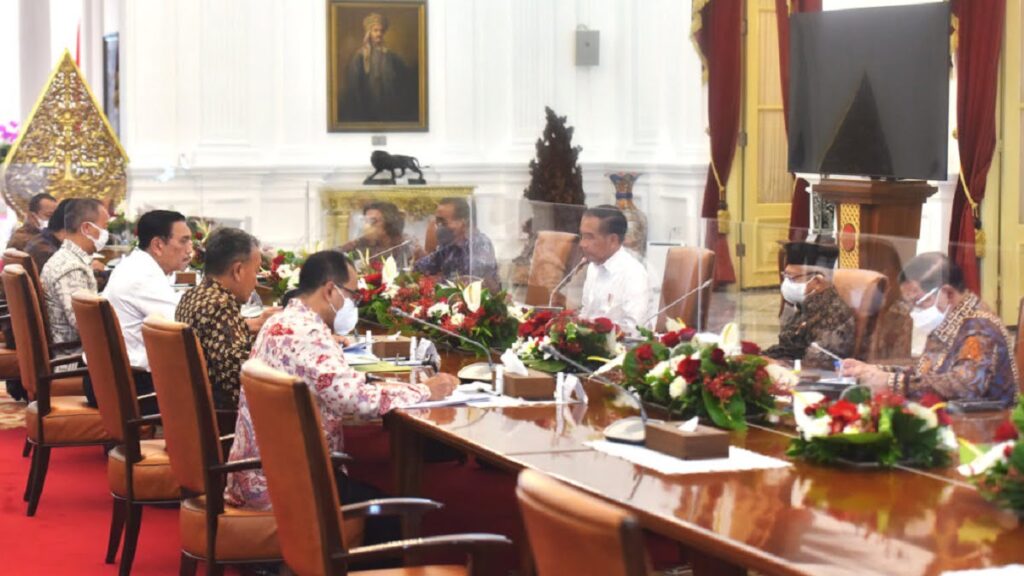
(65, 360)
(405, 507)
(66, 345)
(153, 419)
(139, 369)
(58, 375)
(237, 466)
(472, 544)
(226, 441)
(147, 396)
(340, 458)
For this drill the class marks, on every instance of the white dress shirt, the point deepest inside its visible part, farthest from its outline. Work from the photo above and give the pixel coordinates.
(137, 288)
(618, 290)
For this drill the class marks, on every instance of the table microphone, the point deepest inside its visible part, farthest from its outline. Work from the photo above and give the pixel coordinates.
(392, 249)
(487, 351)
(702, 286)
(564, 281)
(627, 430)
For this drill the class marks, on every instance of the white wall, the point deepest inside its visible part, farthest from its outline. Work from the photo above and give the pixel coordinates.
(235, 90)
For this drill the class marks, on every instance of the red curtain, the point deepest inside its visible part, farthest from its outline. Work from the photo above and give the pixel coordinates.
(717, 28)
(799, 210)
(977, 68)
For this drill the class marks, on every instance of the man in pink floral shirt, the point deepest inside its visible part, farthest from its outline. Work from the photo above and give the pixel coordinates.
(299, 340)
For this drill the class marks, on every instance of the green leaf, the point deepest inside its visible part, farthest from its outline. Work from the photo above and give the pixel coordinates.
(731, 416)
(551, 366)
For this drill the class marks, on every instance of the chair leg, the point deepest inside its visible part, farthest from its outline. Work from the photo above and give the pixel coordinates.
(117, 515)
(188, 565)
(27, 450)
(31, 476)
(40, 462)
(131, 536)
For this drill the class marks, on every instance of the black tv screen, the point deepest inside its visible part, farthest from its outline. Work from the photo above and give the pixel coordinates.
(869, 92)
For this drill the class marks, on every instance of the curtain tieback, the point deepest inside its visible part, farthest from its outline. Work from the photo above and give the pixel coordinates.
(979, 233)
(724, 218)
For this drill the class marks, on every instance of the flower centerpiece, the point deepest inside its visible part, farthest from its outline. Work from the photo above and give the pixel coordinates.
(281, 272)
(721, 380)
(884, 430)
(200, 228)
(999, 472)
(587, 342)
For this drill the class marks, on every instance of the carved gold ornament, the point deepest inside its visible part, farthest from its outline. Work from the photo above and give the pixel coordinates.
(66, 147)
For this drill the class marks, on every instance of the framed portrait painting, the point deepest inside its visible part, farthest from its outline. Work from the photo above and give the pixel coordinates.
(377, 66)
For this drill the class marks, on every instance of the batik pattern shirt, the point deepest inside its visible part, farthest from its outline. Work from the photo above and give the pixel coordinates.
(968, 357)
(214, 315)
(471, 257)
(297, 341)
(67, 272)
(823, 318)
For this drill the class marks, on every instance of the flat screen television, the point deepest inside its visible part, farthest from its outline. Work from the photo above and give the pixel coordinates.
(869, 92)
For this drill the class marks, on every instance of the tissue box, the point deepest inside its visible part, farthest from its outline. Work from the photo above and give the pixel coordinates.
(386, 347)
(536, 385)
(703, 443)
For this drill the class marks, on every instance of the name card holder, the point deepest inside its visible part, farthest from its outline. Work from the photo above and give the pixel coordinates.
(703, 443)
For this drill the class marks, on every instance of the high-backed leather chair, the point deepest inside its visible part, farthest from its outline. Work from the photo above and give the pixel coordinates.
(51, 421)
(430, 238)
(604, 539)
(548, 265)
(864, 291)
(211, 530)
(138, 471)
(304, 496)
(686, 268)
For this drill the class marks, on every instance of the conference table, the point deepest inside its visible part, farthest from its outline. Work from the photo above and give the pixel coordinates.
(798, 520)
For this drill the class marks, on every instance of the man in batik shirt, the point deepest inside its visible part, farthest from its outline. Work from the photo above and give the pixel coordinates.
(461, 249)
(813, 310)
(967, 354)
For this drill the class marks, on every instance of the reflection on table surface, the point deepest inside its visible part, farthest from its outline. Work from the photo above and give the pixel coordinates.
(798, 520)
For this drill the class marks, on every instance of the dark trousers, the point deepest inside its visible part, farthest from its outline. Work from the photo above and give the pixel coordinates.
(143, 386)
(378, 530)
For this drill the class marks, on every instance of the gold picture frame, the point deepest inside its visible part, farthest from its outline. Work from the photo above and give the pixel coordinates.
(377, 66)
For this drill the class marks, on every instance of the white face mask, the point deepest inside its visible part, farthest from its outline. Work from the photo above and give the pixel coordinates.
(100, 242)
(928, 319)
(345, 320)
(794, 292)
(43, 223)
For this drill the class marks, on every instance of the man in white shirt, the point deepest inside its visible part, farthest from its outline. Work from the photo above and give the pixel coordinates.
(616, 287)
(141, 285)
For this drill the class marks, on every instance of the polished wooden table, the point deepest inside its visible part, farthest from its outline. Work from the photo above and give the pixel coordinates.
(800, 520)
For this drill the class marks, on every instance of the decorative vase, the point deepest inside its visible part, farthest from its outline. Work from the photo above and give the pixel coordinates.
(636, 232)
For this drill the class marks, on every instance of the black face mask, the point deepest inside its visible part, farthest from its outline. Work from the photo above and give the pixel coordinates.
(445, 235)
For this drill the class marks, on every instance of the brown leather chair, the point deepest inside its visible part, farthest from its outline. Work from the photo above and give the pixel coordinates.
(138, 471)
(604, 539)
(301, 482)
(51, 421)
(864, 291)
(211, 530)
(686, 268)
(548, 265)
(430, 239)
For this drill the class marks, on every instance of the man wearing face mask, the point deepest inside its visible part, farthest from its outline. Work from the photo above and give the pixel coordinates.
(460, 250)
(213, 310)
(813, 310)
(40, 209)
(299, 341)
(70, 268)
(967, 354)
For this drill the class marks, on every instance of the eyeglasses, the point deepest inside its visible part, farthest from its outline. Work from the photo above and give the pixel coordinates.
(927, 295)
(354, 296)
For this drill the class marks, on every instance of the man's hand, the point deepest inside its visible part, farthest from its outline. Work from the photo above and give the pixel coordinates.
(344, 341)
(98, 265)
(855, 368)
(256, 323)
(441, 385)
(875, 378)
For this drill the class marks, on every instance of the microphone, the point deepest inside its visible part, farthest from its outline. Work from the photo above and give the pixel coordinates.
(564, 281)
(678, 300)
(487, 351)
(627, 430)
(392, 249)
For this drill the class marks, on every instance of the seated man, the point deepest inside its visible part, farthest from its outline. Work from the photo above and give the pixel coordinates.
(459, 252)
(140, 286)
(70, 268)
(813, 310)
(384, 235)
(617, 285)
(46, 244)
(299, 340)
(213, 310)
(967, 353)
(40, 209)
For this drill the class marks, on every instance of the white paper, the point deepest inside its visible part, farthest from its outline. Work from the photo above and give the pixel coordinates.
(1008, 570)
(574, 387)
(512, 363)
(690, 425)
(738, 460)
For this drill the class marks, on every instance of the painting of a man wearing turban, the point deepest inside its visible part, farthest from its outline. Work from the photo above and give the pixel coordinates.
(377, 66)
